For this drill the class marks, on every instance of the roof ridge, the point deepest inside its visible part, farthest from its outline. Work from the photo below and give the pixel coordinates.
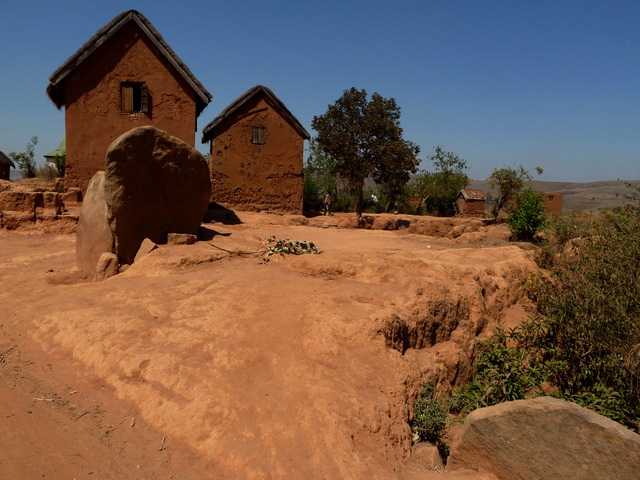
(103, 34)
(209, 130)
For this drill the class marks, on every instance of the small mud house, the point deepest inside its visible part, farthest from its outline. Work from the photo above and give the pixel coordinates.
(552, 203)
(471, 202)
(256, 147)
(6, 164)
(125, 76)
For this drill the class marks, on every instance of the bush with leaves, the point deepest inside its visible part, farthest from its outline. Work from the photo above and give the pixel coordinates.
(528, 215)
(585, 339)
(507, 183)
(501, 373)
(429, 421)
(589, 324)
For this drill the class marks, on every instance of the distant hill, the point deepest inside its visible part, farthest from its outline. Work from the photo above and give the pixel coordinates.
(579, 196)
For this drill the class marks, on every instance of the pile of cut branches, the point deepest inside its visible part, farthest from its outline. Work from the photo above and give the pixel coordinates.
(278, 246)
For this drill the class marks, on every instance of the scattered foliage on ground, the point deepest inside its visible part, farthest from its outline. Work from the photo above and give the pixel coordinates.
(277, 246)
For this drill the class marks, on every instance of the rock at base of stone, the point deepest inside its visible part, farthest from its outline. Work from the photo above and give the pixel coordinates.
(181, 239)
(146, 247)
(427, 456)
(107, 266)
(154, 184)
(546, 438)
(93, 236)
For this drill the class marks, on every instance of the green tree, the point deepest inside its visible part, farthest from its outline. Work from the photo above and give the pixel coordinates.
(364, 138)
(447, 179)
(26, 160)
(400, 159)
(507, 181)
(421, 186)
(322, 167)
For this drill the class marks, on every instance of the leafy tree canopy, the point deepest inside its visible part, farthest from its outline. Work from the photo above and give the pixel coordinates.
(364, 138)
(25, 160)
(438, 189)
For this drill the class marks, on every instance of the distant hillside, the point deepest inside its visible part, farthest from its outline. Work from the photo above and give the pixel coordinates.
(579, 196)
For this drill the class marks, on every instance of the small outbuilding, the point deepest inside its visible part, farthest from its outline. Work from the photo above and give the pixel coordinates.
(256, 147)
(6, 164)
(123, 77)
(552, 203)
(471, 202)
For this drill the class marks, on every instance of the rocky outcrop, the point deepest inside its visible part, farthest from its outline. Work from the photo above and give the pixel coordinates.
(154, 184)
(545, 438)
(93, 236)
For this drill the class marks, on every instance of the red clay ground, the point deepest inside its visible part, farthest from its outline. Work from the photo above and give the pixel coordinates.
(245, 369)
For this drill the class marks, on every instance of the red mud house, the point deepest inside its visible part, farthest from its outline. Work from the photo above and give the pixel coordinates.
(256, 154)
(125, 76)
(471, 202)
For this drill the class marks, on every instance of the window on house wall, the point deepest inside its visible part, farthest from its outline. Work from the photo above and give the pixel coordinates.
(134, 97)
(257, 135)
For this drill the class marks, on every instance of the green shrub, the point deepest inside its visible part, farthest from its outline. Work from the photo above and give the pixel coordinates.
(501, 373)
(588, 330)
(528, 215)
(429, 416)
(585, 339)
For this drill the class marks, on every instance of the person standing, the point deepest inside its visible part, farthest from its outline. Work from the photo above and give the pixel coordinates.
(326, 204)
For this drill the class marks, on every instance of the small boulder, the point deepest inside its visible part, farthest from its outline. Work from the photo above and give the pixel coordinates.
(93, 236)
(181, 239)
(146, 247)
(107, 266)
(155, 184)
(546, 438)
(427, 456)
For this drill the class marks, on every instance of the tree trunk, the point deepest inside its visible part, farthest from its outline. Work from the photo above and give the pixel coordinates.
(359, 194)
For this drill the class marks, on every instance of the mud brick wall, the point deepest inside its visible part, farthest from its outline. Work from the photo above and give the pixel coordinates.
(258, 177)
(553, 203)
(93, 115)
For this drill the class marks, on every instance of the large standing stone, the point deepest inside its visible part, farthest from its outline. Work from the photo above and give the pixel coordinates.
(546, 438)
(154, 184)
(93, 236)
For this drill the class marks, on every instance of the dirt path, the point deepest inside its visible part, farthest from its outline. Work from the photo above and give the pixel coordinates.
(59, 420)
(257, 371)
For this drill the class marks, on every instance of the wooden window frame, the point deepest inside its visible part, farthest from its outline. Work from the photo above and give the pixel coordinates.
(134, 98)
(258, 135)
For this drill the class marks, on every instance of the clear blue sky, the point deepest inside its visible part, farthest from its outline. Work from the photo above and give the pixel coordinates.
(552, 83)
